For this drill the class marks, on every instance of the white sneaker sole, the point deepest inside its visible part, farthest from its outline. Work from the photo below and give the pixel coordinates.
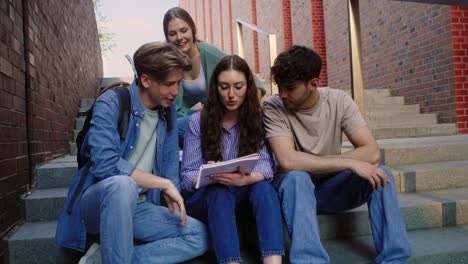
(87, 258)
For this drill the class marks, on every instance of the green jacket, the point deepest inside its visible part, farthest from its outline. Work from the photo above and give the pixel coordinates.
(210, 56)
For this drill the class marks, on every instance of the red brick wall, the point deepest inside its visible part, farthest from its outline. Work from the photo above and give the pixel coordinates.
(318, 32)
(269, 18)
(255, 37)
(410, 53)
(301, 21)
(287, 26)
(43, 74)
(14, 162)
(337, 43)
(460, 60)
(216, 24)
(406, 47)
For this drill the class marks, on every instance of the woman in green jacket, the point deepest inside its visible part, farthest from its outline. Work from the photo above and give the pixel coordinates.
(180, 30)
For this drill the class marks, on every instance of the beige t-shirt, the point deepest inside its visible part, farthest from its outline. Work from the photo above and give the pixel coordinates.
(317, 130)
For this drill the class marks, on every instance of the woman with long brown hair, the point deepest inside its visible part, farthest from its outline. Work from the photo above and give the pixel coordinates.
(230, 126)
(179, 29)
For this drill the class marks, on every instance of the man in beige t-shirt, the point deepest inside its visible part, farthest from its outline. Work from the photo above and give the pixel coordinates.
(304, 126)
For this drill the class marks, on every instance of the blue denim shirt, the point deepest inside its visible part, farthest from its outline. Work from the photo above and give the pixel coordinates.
(109, 154)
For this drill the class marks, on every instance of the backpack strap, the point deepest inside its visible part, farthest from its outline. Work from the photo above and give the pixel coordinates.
(113, 85)
(167, 115)
(124, 115)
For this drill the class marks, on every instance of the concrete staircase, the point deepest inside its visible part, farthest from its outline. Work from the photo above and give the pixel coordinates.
(431, 175)
(389, 117)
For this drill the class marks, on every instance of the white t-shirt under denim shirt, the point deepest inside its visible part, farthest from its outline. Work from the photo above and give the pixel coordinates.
(145, 147)
(197, 87)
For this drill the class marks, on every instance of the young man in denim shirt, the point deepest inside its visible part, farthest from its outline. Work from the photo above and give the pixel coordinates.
(116, 195)
(304, 126)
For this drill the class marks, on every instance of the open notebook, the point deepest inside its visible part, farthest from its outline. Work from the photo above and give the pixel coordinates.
(246, 162)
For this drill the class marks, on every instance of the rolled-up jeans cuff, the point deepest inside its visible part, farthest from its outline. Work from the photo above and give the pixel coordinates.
(231, 259)
(266, 253)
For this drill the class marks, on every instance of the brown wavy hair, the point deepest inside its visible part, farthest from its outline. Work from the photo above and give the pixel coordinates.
(177, 12)
(249, 120)
(158, 59)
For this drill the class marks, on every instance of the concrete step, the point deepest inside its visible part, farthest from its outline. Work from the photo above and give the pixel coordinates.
(73, 149)
(392, 111)
(396, 152)
(401, 108)
(86, 103)
(431, 246)
(414, 131)
(82, 111)
(395, 101)
(75, 134)
(419, 210)
(433, 176)
(371, 93)
(32, 243)
(57, 173)
(80, 122)
(454, 204)
(401, 120)
(418, 213)
(44, 205)
(376, 92)
(405, 151)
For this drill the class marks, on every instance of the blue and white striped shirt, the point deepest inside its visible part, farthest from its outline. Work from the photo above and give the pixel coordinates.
(192, 157)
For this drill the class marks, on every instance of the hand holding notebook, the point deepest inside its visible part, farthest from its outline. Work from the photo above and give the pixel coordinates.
(247, 163)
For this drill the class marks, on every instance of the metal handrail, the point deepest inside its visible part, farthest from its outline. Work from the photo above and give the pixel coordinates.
(271, 43)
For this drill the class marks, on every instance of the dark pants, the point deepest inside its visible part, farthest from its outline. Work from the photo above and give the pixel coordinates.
(219, 205)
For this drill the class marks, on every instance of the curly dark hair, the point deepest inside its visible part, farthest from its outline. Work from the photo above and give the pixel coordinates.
(249, 119)
(298, 63)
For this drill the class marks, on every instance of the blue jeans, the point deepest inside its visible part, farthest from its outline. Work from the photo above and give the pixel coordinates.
(303, 196)
(219, 205)
(110, 208)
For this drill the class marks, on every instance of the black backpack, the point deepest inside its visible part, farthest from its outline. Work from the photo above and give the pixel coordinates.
(121, 88)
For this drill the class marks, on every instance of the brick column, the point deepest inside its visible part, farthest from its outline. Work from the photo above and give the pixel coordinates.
(204, 20)
(318, 37)
(287, 26)
(230, 26)
(221, 23)
(255, 36)
(196, 17)
(460, 61)
(210, 12)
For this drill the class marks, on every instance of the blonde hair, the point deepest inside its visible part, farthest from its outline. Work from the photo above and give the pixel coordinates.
(157, 59)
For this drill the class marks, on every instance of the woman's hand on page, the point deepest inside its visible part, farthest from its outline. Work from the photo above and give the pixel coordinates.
(236, 178)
